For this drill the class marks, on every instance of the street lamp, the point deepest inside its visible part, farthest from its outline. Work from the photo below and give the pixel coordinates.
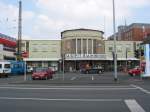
(63, 66)
(60, 65)
(115, 54)
(127, 49)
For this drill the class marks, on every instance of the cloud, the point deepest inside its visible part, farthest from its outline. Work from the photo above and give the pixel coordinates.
(89, 13)
(49, 17)
(9, 19)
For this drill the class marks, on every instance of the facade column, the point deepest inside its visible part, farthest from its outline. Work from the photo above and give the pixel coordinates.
(87, 46)
(92, 46)
(81, 46)
(76, 46)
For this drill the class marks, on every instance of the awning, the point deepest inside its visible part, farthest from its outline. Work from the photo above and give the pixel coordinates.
(41, 59)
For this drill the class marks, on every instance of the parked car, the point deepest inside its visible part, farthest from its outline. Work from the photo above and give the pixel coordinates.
(93, 70)
(5, 68)
(135, 71)
(42, 73)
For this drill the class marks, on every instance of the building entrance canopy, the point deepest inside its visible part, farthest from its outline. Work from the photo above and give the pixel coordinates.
(85, 56)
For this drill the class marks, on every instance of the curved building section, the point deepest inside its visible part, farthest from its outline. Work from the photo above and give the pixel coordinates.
(83, 46)
(82, 41)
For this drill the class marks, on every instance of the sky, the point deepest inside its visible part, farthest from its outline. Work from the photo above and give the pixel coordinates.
(46, 19)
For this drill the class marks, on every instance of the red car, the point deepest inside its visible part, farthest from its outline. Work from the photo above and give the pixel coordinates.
(42, 73)
(135, 71)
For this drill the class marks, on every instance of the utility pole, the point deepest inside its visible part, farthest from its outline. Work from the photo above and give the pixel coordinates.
(126, 59)
(19, 57)
(115, 54)
(63, 66)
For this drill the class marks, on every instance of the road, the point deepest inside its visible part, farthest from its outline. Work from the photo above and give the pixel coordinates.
(129, 95)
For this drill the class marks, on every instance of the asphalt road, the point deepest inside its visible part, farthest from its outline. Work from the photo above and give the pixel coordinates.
(40, 98)
(77, 93)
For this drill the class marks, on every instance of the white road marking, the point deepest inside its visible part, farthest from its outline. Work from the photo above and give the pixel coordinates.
(92, 77)
(68, 88)
(73, 86)
(73, 78)
(134, 106)
(140, 88)
(47, 99)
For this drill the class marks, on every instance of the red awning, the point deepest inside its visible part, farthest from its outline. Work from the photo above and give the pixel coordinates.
(8, 42)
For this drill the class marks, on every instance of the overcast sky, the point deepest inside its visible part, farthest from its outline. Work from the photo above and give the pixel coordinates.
(46, 19)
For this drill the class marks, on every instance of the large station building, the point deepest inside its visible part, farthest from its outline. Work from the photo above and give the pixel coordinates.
(79, 48)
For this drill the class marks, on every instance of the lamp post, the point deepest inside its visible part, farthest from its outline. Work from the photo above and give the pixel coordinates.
(63, 66)
(126, 59)
(60, 65)
(115, 54)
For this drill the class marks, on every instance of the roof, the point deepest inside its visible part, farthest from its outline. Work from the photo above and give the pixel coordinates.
(7, 37)
(84, 29)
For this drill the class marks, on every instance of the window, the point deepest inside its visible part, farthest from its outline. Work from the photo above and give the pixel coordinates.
(7, 66)
(119, 48)
(23, 44)
(0, 65)
(110, 49)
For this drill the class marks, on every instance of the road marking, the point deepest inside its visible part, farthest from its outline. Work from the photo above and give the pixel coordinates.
(68, 88)
(47, 99)
(134, 106)
(92, 77)
(73, 78)
(62, 86)
(140, 88)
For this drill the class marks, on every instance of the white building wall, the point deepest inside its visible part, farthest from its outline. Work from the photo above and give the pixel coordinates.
(1, 52)
(123, 48)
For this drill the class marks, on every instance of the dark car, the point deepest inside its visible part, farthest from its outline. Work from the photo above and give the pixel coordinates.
(93, 70)
(42, 73)
(135, 71)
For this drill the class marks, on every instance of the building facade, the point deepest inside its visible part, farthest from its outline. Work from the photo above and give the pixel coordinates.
(125, 54)
(81, 47)
(7, 47)
(133, 32)
(84, 46)
(42, 53)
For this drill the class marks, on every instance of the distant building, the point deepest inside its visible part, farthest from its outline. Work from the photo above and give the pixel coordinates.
(133, 32)
(7, 47)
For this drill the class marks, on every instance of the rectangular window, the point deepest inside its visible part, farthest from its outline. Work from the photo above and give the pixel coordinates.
(79, 46)
(110, 49)
(0, 65)
(119, 49)
(7, 66)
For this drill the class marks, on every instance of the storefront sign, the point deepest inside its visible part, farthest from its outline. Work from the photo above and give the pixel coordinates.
(85, 56)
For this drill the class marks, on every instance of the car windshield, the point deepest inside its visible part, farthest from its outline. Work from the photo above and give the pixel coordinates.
(7, 66)
(40, 69)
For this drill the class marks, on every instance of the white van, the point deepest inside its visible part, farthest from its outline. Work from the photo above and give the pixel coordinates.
(5, 68)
